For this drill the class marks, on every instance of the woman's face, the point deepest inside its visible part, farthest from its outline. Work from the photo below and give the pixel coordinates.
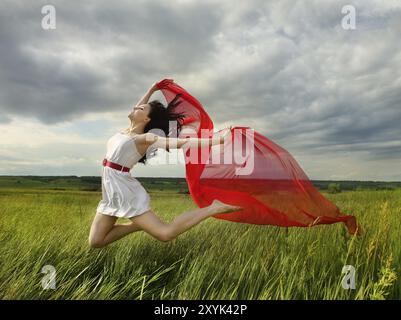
(140, 113)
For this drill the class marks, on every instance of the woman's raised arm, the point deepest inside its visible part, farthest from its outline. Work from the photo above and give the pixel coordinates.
(146, 97)
(151, 90)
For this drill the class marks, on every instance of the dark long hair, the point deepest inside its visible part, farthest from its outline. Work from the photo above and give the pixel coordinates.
(160, 117)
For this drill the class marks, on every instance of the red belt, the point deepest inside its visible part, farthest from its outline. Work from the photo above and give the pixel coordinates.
(115, 166)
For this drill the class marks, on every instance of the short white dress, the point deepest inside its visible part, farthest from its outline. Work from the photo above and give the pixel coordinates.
(123, 196)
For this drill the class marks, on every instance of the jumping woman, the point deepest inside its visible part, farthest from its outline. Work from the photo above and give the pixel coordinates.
(124, 197)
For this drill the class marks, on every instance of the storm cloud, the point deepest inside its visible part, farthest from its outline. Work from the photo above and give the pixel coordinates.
(287, 68)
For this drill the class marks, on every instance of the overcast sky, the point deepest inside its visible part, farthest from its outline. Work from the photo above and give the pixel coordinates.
(288, 69)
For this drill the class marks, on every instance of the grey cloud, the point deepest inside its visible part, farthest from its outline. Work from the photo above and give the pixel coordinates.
(156, 39)
(341, 86)
(309, 84)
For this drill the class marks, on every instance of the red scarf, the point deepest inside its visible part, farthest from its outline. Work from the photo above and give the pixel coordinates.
(276, 192)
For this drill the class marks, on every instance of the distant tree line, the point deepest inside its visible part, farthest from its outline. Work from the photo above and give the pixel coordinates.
(93, 183)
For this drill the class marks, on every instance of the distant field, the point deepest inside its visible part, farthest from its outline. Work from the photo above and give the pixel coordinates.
(160, 184)
(215, 260)
(86, 183)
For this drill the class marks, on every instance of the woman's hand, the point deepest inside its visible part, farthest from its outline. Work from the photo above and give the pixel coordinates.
(161, 84)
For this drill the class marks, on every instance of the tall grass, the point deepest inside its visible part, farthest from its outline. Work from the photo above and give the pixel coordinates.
(215, 260)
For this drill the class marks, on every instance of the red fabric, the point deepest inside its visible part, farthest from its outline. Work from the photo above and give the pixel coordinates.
(277, 191)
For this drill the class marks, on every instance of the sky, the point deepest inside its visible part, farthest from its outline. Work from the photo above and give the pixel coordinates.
(329, 94)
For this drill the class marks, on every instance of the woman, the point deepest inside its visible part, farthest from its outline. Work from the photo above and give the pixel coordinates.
(124, 197)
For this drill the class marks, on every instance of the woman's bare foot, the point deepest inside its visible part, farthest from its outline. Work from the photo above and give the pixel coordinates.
(221, 207)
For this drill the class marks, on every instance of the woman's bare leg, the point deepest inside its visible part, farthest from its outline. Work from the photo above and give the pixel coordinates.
(104, 230)
(150, 222)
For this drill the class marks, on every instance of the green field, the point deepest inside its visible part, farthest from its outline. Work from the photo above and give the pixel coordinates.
(215, 260)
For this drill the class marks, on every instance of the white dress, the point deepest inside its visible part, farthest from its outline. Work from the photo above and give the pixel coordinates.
(123, 196)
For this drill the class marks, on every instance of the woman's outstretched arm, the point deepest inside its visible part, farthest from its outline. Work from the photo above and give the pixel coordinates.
(178, 143)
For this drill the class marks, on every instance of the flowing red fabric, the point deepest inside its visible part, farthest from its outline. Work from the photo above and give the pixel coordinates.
(275, 192)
